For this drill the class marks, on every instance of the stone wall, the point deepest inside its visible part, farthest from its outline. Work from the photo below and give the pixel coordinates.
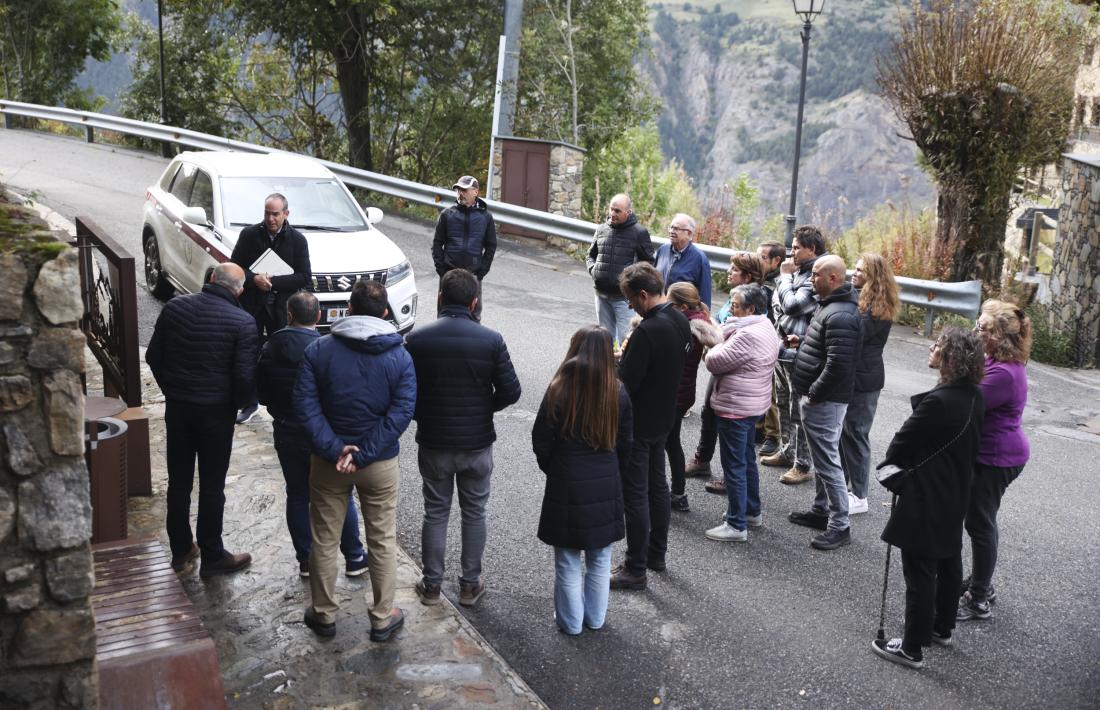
(1075, 277)
(566, 177)
(47, 631)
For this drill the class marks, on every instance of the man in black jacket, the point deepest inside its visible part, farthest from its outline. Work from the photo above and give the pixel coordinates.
(652, 362)
(275, 376)
(465, 236)
(823, 376)
(617, 243)
(265, 296)
(464, 375)
(203, 356)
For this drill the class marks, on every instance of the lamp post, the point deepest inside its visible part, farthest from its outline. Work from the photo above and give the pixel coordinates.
(808, 10)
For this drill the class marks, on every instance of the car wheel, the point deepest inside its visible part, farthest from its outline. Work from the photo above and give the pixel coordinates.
(156, 280)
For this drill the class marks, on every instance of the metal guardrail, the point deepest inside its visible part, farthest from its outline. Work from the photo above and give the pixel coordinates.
(960, 298)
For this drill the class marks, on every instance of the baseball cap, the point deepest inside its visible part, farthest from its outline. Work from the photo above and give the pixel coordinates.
(465, 183)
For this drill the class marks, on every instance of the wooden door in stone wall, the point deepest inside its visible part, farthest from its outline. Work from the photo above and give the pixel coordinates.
(525, 178)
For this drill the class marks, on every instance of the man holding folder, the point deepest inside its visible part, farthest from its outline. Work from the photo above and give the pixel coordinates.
(270, 278)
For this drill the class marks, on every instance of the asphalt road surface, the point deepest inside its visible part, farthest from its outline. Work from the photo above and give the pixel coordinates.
(770, 623)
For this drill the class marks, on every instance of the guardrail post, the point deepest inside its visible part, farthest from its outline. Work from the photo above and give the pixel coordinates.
(929, 318)
(89, 134)
(9, 121)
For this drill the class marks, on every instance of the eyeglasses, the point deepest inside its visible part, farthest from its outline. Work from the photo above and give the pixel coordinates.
(275, 213)
(679, 229)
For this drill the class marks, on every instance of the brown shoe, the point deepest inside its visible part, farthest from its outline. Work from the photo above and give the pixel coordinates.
(622, 578)
(795, 475)
(716, 485)
(180, 563)
(696, 467)
(428, 593)
(776, 459)
(228, 564)
(470, 594)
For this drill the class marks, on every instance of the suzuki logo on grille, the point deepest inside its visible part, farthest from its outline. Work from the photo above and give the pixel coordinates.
(344, 283)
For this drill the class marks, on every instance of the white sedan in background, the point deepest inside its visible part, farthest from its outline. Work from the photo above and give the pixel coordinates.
(195, 212)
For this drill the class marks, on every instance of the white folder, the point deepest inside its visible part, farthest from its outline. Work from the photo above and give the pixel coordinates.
(271, 263)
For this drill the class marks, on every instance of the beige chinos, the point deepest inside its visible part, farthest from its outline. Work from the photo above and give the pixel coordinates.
(377, 485)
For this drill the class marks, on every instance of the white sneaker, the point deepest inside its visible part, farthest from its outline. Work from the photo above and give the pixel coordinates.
(754, 521)
(856, 505)
(727, 533)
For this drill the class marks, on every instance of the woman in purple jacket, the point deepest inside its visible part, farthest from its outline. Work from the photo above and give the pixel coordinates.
(1006, 336)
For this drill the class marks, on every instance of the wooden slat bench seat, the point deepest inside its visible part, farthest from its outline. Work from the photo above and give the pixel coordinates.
(151, 647)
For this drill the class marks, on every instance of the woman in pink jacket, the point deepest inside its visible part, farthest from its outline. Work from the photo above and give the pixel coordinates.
(742, 367)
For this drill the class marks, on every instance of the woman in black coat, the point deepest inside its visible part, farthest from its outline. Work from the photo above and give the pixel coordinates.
(937, 445)
(581, 437)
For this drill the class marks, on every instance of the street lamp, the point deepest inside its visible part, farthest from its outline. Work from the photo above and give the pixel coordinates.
(808, 10)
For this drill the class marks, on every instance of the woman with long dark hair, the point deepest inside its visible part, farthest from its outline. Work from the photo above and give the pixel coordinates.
(878, 305)
(704, 334)
(936, 446)
(581, 438)
(1006, 337)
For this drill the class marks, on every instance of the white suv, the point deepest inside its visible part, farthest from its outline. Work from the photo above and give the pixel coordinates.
(197, 209)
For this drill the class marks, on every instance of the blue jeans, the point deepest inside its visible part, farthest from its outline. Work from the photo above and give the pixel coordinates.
(581, 596)
(737, 438)
(613, 313)
(823, 422)
(293, 447)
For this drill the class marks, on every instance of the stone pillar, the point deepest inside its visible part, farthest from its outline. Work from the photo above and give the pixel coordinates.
(47, 631)
(1075, 276)
(566, 171)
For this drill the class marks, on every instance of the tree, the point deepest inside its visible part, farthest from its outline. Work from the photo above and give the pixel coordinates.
(44, 43)
(986, 89)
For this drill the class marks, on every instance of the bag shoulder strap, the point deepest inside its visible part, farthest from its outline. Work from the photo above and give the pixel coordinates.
(945, 447)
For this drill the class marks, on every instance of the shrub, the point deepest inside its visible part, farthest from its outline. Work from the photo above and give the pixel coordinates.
(1048, 345)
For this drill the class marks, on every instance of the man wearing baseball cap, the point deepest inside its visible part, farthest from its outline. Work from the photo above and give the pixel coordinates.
(465, 236)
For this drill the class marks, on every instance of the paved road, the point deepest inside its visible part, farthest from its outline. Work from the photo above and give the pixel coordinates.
(768, 623)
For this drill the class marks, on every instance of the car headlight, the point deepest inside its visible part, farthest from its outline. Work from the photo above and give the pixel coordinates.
(399, 272)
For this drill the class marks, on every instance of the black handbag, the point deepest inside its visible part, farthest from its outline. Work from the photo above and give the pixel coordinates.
(893, 478)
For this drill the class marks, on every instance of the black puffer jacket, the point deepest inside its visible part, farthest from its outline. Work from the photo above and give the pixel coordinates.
(870, 371)
(825, 365)
(613, 249)
(203, 350)
(278, 368)
(465, 238)
(582, 507)
(291, 247)
(463, 375)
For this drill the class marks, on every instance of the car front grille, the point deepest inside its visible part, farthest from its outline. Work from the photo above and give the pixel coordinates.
(343, 283)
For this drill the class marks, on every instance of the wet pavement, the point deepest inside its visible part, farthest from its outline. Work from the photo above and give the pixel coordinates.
(268, 657)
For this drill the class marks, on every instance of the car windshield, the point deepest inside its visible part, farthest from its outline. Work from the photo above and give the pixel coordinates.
(314, 203)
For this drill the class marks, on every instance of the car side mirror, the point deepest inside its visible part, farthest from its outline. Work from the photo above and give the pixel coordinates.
(194, 215)
(374, 215)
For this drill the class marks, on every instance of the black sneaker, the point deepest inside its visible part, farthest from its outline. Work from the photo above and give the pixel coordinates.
(810, 519)
(321, 629)
(971, 610)
(303, 570)
(832, 539)
(965, 592)
(622, 578)
(680, 503)
(769, 447)
(247, 413)
(942, 639)
(891, 651)
(355, 568)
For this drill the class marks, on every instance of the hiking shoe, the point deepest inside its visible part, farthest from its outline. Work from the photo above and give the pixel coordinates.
(303, 570)
(696, 467)
(796, 475)
(942, 639)
(180, 563)
(891, 650)
(246, 414)
(470, 594)
(727, 533)
(680, 503)
(770, 447)
(810, 519)
(776, 459)
(991, 598)
(716, 485)
(832, 539)
(428, 593)
(397, 620)
(970, 610)
(622, 578)
(228, 564)
(320, 628)
(354, 568)
(856, 505)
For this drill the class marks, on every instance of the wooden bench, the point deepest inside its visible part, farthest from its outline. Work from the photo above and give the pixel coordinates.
(151, 647)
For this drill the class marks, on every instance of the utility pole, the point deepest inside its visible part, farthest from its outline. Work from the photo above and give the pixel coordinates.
(504, 104)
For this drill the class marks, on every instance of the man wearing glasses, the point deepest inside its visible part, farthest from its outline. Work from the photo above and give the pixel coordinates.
(617, 243)
(680, 260)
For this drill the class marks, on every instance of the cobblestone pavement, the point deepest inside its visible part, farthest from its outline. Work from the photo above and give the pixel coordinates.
(268, 657)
